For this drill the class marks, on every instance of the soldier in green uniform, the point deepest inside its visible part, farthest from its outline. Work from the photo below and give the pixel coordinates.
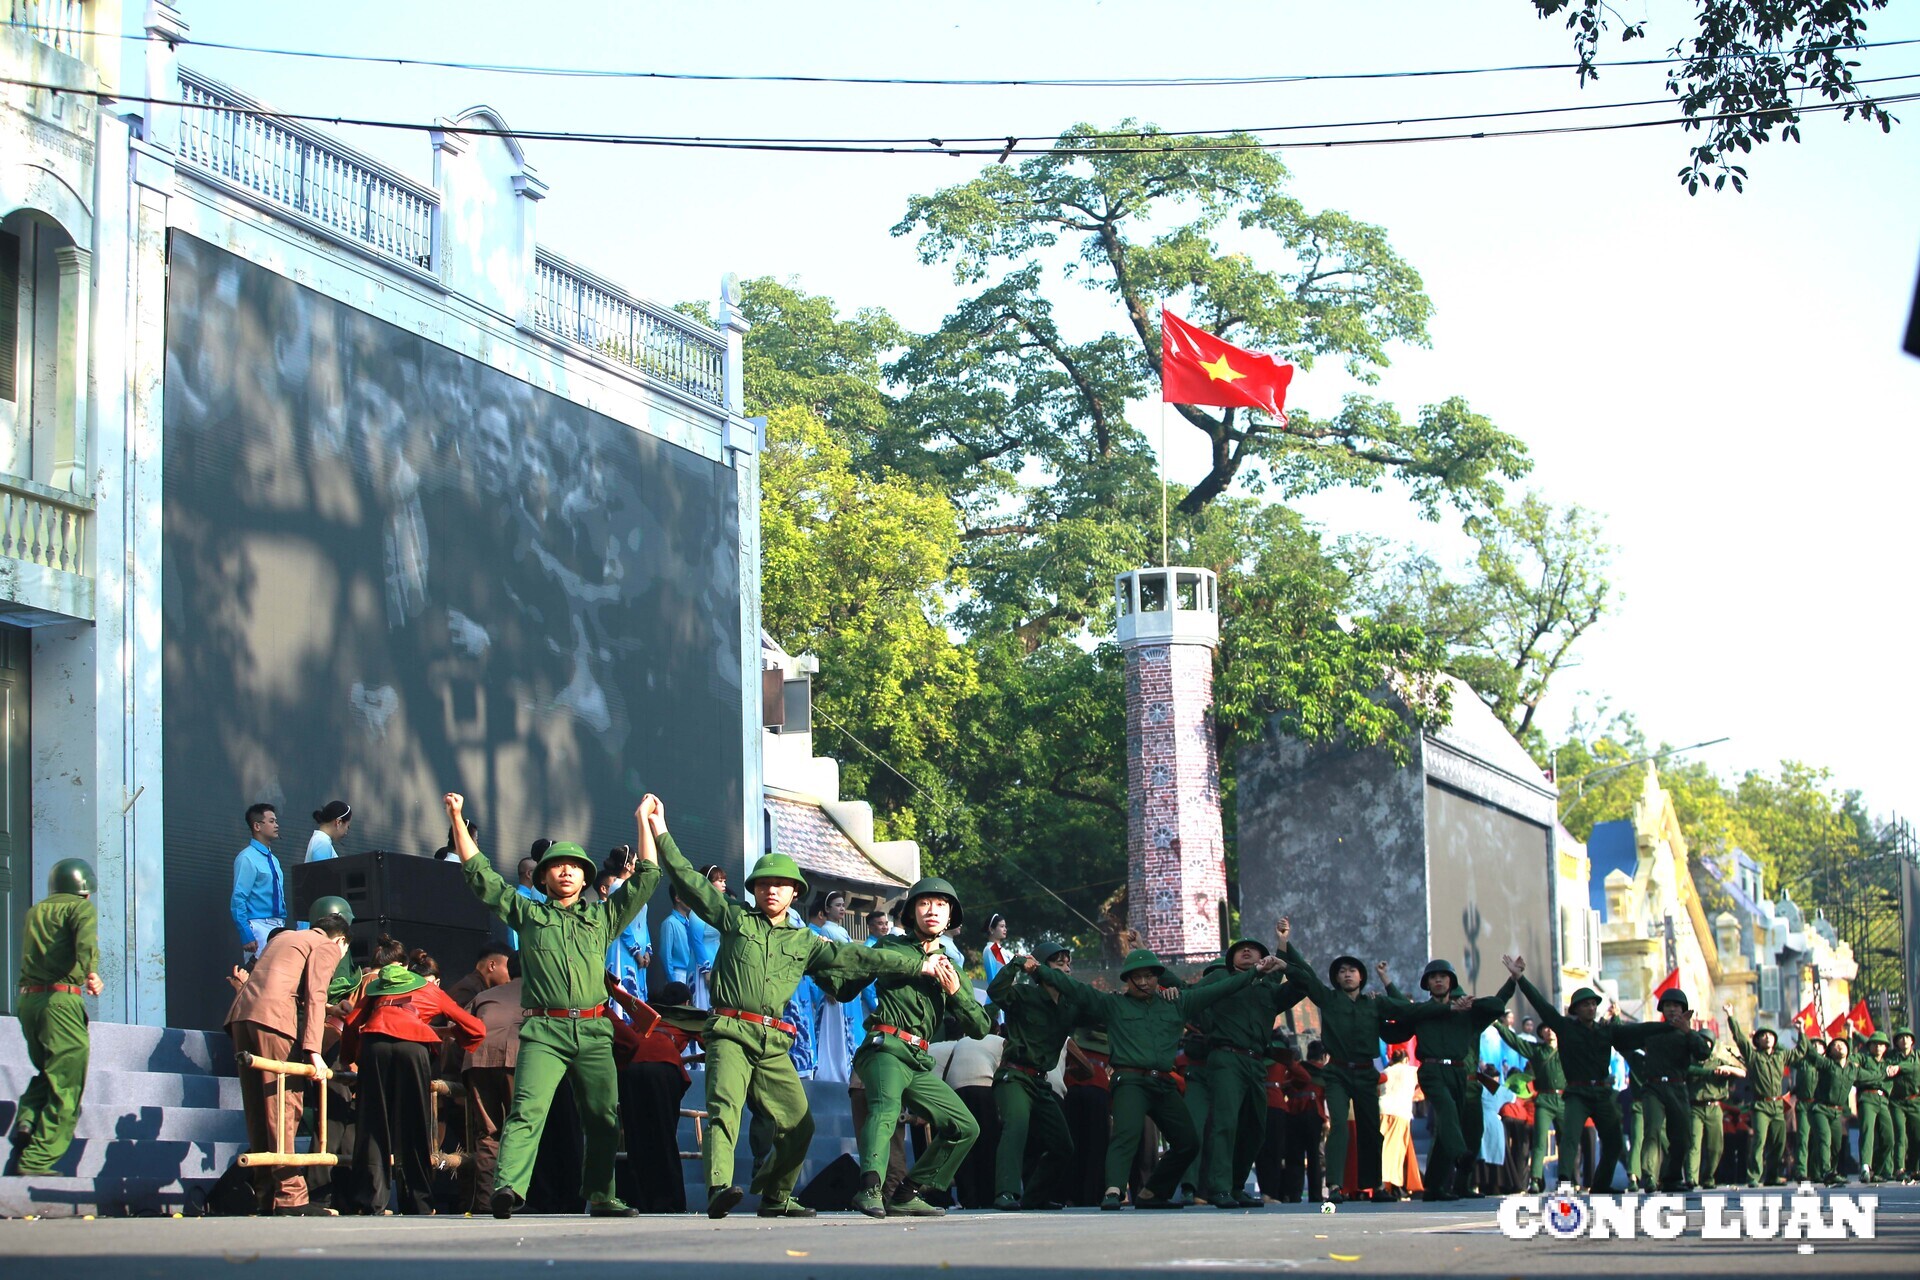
(1549, 1083)
(1903, 1099)
(895, 1066)
(1192, 1064)
(764, 951)
(563, 965)
(1449, 1047)
(1586, 1048)
(1709, 1084)
(1766, 1115)
(1238, 1031)
(1144, 1025)
(1037, 1022)
(1646, 1140)
(1876, 1119)
(1832, 1074)
(58, 955)
(1805, 1073)
(1671, 1050)
(1351, 1025)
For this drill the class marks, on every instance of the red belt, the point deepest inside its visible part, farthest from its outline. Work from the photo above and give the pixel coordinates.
(1234, 1048)
(598, 1011)
(1362, 1065)
(761, 1019)
(1870, 1088)
(1023, 1068)
(1591, 1084)
(60, 987)
(1148, 1072)
(897, 1033)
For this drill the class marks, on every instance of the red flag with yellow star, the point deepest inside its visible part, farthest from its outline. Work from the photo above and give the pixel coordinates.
(1198, 368)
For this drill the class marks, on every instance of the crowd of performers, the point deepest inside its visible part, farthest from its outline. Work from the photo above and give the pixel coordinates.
(1196, 1084)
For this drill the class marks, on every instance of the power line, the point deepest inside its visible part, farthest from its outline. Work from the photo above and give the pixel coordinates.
(1001, 146)
(1067, 82)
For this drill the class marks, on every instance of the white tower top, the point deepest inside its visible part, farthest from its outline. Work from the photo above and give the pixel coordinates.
(1169, 606)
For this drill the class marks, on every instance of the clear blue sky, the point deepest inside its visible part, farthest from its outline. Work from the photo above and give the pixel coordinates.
(1719, 377)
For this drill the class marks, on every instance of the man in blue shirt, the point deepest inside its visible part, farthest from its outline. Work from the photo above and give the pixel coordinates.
(682, 944)
(529, 868)
(259, 902)
(630, 955)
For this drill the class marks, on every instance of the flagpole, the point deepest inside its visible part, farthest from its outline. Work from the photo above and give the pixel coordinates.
(1165, 562)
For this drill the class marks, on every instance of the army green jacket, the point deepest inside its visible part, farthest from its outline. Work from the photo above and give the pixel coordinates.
(1142, 1034)
(1706, 1084)
(61, 944)
(563, 950)
(1766, 1072)
(1869, 1072)
(1037, 1022)
(1350, 1025)
(1455, 1034)
(1548, 1075)
(1586, 1048)
(760, 963)
(1671, 1052)
(1906, 1082)
(1244, 1020)
(917, 1006)
(1832, 1083)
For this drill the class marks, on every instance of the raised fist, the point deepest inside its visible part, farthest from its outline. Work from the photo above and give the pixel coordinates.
(456, 804)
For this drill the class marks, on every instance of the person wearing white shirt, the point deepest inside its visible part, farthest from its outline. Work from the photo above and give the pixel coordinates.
(968, 1067)
(329, 824)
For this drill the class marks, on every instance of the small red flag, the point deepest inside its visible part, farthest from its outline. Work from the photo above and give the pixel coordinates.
(1860, 1019)
(1837, 1029)
(1808, 1021)
(1198, 368)
(1669, 983)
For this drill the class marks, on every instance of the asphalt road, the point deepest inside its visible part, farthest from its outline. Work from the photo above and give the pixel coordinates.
(1294, 1240)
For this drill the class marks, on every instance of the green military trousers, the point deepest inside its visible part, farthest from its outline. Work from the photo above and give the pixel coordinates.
(1906, 1133)
(1707, 1133)
(1448, 1102)
(1667, 1111)
(1136, 1098)
(894, 1082)
(1199, 1097)
(1802, 1139)
(1358, 1087)
(1596, 1102)
(1829, 1137)
(1236, 1123)
(54, 1024)
(1547, 1110)
(552, 1049)
(1876, 1134)
(1768, 1147)
(1030, 1119)
(748, 1064)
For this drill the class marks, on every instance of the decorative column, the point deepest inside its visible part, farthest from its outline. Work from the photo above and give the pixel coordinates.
(71, 371)
(1176, 851)
(746, 440)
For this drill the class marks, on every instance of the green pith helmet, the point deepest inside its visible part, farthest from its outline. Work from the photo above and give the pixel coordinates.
(778, 866)
(395, 980)
(1903, 1031)
(935, 887)
(1673, 995)
(71, 875)
(1439, 966)
(1582, 995)
(1238, 943)
(1355, 961)
(1766, 1031)
(1878, 1037)
(1049, 948)
(329, 906)
(566, 851)
(1138, 959)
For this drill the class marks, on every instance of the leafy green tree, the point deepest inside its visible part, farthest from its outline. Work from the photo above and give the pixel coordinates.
(1539, 584)
(854, 568)
(800, 352)
(1142, 213)
(1746, 71)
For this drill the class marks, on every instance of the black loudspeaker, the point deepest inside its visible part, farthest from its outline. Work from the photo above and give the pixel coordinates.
(395, 886)
(455, 950)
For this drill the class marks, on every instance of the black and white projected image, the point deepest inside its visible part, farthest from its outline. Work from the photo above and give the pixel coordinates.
(390, 570)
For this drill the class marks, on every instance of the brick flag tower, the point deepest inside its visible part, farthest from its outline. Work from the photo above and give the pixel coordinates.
(1176, 852)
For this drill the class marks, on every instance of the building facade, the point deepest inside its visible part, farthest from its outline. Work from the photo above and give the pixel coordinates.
(328, 480)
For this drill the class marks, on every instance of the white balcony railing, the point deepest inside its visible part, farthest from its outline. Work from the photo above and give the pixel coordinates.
(60, 23)
(226, 134)
(44, 526)
(599, 315)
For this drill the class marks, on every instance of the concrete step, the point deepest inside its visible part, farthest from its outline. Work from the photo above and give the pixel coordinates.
(131, 1090)
(119, 1047)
